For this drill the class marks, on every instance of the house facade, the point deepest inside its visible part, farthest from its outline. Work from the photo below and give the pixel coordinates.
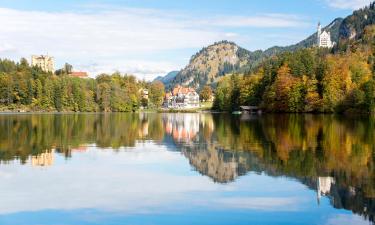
(182, 98)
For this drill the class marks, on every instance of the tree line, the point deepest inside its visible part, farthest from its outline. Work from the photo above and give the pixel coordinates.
(308, 80)
(27, 88)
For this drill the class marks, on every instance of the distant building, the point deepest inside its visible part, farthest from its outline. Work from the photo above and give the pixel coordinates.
(182, 98)
(324, 38)
(250, 109)
(45, 62)
(144, 93)
(79, 74)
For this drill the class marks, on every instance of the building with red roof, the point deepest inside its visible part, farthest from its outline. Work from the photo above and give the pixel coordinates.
(182, 98)
(79, 74)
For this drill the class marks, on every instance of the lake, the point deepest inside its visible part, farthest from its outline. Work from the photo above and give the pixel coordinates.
(186, 169)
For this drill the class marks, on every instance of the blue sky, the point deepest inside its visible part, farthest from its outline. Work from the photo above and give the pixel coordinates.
(148, 37)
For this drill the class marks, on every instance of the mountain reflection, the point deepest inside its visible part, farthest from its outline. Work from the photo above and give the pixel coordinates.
(330, 154)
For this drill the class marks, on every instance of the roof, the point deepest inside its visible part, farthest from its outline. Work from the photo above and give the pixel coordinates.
(79, 74)
(42, 56)
(325, 33)
(182, 90)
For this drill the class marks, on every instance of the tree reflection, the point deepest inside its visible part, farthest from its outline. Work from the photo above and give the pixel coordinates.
(333, 155)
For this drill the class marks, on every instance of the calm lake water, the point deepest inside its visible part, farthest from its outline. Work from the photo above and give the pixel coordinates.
(186, 169)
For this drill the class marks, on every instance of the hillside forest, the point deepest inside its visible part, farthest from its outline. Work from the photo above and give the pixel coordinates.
(308, 80)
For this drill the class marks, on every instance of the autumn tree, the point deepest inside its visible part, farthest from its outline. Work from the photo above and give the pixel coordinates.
(103, 96)
(223, 94)
(278, 95)
(156, 94)
(206, 93)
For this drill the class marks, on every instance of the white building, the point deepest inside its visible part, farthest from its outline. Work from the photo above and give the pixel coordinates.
(324, 38)
(144, 93)
(182, 98)
(45, 62)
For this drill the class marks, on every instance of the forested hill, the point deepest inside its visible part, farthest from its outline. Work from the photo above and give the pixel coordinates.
(216, 60)
(215, 63)
(308, 80)
(312, 79)
(353, 26)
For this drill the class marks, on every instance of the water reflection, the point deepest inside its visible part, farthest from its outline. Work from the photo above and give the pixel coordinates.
(43, 159)
(324, 186)
(329, 154)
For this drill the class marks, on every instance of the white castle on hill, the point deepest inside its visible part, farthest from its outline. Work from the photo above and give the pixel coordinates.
(45, 62)
(324, 38)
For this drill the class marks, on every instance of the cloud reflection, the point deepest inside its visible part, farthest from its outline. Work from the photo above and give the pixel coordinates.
(126, 182)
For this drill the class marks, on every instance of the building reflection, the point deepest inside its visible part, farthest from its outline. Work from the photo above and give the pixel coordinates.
(324, 186)
(43, 159)
(143, 131)
(82, 148)
(182, 127)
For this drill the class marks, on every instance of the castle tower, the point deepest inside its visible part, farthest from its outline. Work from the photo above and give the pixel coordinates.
(319, 34)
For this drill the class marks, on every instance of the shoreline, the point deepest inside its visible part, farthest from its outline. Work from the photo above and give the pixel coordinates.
(20, 112)
(29, 110)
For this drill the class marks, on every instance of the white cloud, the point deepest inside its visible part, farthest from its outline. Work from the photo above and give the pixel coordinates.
(348, 4)
(338, 219)
(140, 68)
(93, 180)
(261, 203)
(129, 40)
(143, 179)
(4, 47)
(261, 21)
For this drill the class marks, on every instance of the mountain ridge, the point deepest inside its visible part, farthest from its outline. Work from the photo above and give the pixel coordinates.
(167, 78)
